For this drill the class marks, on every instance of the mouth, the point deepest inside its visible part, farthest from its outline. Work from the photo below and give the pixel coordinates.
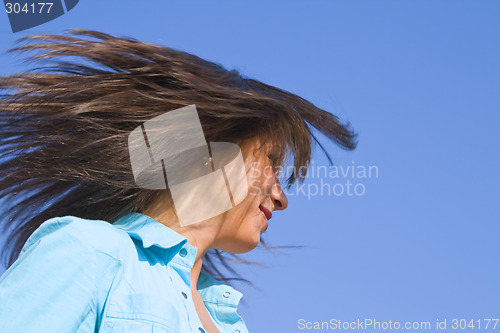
(267, 213)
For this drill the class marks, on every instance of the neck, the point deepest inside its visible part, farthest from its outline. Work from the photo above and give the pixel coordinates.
(194, 235)
(199, 235)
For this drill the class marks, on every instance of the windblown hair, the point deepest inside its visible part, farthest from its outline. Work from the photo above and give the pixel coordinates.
(64, 126)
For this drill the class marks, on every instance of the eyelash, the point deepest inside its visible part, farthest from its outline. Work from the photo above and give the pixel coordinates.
(274, 161)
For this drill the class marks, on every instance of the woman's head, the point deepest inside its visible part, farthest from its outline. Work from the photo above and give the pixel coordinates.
(237, 230)
(65, 125)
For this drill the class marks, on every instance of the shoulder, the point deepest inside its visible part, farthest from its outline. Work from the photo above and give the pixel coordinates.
(88, 234)
(66, 270)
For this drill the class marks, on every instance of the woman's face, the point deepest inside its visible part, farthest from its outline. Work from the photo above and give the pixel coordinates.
(242, 226)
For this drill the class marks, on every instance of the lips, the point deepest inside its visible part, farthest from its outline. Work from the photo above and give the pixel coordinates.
(266, 212)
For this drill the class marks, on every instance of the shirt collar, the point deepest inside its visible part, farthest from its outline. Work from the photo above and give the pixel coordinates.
(153, 233)
(149, 231)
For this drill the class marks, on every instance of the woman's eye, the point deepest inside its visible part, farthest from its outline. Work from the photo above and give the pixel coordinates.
(273, 159)
(275, 162)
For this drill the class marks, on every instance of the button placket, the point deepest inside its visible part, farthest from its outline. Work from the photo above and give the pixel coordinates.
(184, 262)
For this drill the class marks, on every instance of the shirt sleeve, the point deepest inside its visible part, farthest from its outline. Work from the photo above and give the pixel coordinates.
(55, 285)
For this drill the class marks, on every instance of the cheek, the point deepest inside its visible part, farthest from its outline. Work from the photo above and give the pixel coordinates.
(254, 180)
(260, 180)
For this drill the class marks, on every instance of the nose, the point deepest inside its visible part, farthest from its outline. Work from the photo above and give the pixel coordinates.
(278, 197)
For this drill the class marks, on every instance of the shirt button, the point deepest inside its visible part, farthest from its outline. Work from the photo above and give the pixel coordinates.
(201, 330)
(227, 294)
(184, 294)
(183, 252)
(237, 331)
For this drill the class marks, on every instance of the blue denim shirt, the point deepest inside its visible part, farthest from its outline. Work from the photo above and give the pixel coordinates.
(77, 275)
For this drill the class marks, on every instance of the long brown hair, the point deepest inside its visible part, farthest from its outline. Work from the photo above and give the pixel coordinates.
(64, 126)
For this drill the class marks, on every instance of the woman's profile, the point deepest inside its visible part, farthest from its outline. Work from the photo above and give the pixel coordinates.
(88, 249)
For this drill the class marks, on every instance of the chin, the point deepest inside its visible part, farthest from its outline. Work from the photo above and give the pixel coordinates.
(246, 245)
(254, 244)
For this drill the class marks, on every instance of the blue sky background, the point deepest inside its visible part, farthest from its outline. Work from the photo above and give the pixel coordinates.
(419, 81)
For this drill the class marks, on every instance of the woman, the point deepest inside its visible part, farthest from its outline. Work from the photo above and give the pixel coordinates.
(91, 250)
